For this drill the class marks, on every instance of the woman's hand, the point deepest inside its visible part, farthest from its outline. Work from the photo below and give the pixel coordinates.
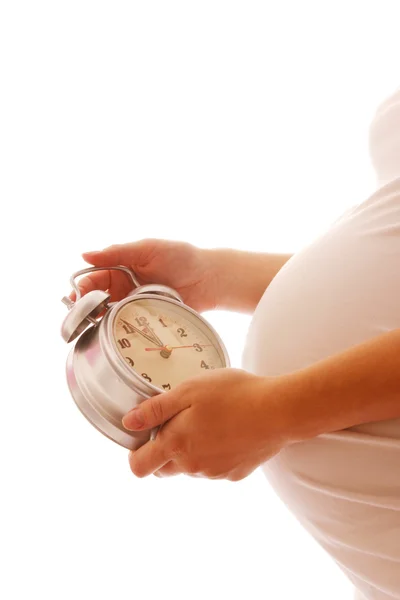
(205, 278)
(220, 425)
(189, 270)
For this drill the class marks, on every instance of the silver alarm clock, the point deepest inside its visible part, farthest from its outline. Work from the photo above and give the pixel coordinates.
(130, 350)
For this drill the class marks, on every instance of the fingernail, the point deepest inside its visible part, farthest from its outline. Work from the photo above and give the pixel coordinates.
(91, 252)
(133, 420)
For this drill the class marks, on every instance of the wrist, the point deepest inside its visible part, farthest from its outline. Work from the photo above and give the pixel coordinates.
(286, 401)
(241, 278)
(321, 398)
(299, 421)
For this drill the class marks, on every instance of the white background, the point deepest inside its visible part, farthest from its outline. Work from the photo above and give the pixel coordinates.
(224, 123)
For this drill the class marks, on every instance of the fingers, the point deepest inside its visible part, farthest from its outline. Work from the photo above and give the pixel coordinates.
(120, 254)
(155, 411)
(99, 280)
(170, 469)
(115, 281)
(109, 257)
(133, 255)
(149, 458)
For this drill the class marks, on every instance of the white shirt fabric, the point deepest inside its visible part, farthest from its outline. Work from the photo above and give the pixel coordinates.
(341, 290)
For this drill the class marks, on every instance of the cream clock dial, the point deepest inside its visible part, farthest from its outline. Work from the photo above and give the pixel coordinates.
(164, 343)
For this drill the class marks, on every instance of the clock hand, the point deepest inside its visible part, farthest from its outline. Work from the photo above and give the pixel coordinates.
(155, 337)
(176, 347)
(135, 329)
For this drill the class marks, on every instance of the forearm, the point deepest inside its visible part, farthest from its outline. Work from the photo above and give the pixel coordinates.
(243, 277)
(360, 385)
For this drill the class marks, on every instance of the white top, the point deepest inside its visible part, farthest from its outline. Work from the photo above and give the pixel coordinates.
(342, 290)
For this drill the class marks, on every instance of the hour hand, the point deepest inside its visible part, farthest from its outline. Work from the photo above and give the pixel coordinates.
(165, 350)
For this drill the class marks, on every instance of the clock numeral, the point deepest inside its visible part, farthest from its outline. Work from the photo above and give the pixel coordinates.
(127, 326)
(204, 365)
(142, 321)
(167, 386)
(130, 361)
(145, 376)
(162, 323)
(124, 343)
(198, 347)
(182, 332)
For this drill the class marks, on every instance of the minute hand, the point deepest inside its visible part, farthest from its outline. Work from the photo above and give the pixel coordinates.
(176, 347)
(150, 339)
(155, 337)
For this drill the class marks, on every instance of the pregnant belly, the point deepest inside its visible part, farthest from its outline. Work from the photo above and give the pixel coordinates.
(343, 487)
(345, 490)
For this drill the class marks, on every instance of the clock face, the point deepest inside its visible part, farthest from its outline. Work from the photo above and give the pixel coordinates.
(164, 342)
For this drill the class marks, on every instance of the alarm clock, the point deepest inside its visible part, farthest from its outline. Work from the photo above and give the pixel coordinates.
(127, 351)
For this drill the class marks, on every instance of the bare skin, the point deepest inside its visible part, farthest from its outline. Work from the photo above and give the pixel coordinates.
(206, 279)
(224, 424)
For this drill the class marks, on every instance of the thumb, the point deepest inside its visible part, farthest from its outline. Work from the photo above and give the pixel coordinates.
(155, 411)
